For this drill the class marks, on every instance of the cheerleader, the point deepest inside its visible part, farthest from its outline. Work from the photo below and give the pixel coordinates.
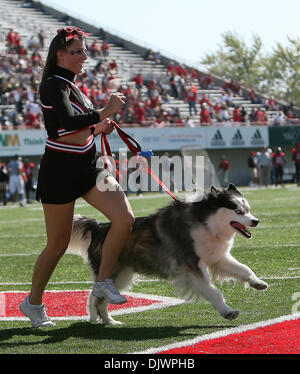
(69, 170)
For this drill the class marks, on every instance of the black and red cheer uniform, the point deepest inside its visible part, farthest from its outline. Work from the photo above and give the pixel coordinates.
(67, 171)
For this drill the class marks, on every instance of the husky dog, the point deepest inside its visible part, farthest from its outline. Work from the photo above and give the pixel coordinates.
(187, 243)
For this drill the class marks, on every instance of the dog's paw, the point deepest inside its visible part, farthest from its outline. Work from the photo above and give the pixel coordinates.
(92, 319)
(112, 321)
(232, 314)
(258, 284)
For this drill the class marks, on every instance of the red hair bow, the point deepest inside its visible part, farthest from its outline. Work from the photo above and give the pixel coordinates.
(71, 32)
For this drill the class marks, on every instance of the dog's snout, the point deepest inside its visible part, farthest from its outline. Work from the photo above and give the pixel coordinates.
(255, 222)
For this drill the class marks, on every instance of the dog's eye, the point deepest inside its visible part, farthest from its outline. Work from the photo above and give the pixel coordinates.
(237, 211)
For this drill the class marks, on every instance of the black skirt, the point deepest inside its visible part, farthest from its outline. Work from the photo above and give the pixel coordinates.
(65, 176)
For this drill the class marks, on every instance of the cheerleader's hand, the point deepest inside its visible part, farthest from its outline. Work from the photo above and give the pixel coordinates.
(105, 127)
(116, 101)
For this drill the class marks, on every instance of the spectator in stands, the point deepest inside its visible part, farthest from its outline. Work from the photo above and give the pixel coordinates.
(252, 115)
(229, 86)
(191, 97)
(171, 68)
(29, 120)
(261, 116)
(296, 159)
(271, 103)
(164, 96)
(95, 49)
(33, 42)
(22, 51)
(17, 41)
(105, 47)
(4, 121)
(157, 57)
(188, 122)
(278, 161)
(11, 39)
(236, 115)
(289, 117)
(139, 81)
(154, 102)
(113, 67)
(252, 97)
(244, 115)
(140, 112)
(181, 71)
(279, 119)
(41, 38)
(152, 87)
(206, 82)
(173, 85)
(176, 118)
(205, 99)
(205, 117)
(36, 58)
(225, 115)
(223, 171)
(149, 55)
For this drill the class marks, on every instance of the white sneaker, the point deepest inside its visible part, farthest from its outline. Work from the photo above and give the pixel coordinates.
(36, 313)
(108, 291)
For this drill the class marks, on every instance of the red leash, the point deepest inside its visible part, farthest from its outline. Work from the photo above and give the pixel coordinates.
(136, 150)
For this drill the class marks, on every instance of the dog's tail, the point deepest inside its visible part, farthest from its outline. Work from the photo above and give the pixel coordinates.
(80, 238)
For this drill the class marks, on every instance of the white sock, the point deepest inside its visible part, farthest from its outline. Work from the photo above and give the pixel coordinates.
(32, 305)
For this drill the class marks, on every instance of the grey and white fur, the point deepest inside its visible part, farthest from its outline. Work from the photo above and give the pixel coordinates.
(186, 243)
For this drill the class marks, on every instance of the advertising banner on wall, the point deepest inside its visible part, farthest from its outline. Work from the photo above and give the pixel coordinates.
(236, 137)
(285, 135)
(32, 142)
(165, 139)
(23, 143)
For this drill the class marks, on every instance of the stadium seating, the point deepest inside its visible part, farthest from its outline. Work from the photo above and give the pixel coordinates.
(28, 22)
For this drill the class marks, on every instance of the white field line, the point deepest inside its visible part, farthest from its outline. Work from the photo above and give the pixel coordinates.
(220, 334)
(82, 204)
(135, 281)
(23, 221)
(41, 220)
(19, 254)
(71, 254)
(22, 236)
(281, 226)
(50, 283)
(268, 245)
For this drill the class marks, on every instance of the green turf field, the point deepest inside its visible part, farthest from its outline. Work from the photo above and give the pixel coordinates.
(273, 253)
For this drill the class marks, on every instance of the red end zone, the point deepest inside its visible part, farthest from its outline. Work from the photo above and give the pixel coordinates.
(276, 336)
(72, 304)
(63, 303)
(279, 338)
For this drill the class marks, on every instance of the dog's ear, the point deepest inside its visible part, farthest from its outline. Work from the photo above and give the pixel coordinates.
(232, 188)
(215, 192)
